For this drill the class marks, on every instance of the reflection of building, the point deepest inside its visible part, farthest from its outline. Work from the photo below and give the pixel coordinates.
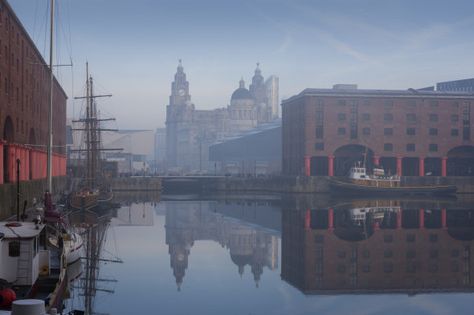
(187, 222)
(410, 133)
(190, 132)
(406, 251)
(136, 214)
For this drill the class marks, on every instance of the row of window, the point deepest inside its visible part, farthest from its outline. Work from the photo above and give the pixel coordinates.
(388, 103)
(388, 147)
(388, 117)
(366, 131)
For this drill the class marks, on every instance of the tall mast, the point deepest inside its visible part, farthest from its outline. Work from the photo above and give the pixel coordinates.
(50, 111)
(88, 128)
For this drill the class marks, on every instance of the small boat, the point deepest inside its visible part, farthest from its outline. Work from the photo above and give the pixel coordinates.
(359, 182)
(84, 199)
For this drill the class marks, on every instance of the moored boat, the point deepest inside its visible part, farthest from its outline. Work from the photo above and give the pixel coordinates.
(359, 182)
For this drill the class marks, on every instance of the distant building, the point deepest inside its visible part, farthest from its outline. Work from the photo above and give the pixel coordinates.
(272, 85)
(407, 132)
(255, 152)
(466, 85)
(160, 150)
(190, 132)
(137, 154)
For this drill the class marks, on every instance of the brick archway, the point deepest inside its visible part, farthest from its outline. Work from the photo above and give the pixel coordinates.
(461, 161)
(347, 155)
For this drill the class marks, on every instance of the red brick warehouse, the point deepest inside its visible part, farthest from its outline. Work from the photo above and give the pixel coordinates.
(24, 103)
(407, 132)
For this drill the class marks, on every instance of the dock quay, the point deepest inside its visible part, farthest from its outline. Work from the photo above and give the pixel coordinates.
(289, 184)
(29, 190)
(136, 183)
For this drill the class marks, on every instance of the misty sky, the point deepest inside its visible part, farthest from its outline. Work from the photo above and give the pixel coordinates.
(133, 47)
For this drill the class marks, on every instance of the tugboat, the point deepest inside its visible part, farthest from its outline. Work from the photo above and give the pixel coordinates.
(359, 182)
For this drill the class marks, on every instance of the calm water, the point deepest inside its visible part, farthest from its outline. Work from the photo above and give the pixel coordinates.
(289, 256)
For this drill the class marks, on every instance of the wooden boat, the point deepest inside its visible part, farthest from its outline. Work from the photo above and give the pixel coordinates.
(84, 199)
(359, 182)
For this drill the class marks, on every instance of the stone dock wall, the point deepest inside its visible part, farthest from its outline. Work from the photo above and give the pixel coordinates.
(136, 184)
(28, 191)
(320, 184)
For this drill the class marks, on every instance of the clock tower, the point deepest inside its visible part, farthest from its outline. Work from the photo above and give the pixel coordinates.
(179, 115)
(180, 88)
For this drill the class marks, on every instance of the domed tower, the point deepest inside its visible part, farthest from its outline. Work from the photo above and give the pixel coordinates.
(242, 114)
(259, 93)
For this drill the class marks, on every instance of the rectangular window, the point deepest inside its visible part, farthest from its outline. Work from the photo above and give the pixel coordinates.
(341, 102)
(411, 103)
(433, 117)
(410, 147)
(319, 146)
(388, 147)
(388, 131)
(454, 118)
(411, 117)
(319, 116)
(366, 131)
(319, 132)
(341, 131)
(388, 104)
(433, 131)
(365, 117)
(434, 103)
(341, 116)
(366, 102)
(454, 132)
(14, 249)
(411, 131)
(387, 117)
(433, 147)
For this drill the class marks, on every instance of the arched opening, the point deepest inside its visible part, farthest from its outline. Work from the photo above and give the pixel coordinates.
(410, 166)
(346, 156)
(433, 166)
(31, 141)
(389, 164)
(32, 137)
(353, 225)
(319, 219)
(461, 161)
(9, 137)
(8, 130)
(319, 166)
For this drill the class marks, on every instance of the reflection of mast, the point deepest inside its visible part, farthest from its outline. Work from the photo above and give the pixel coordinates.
(95, 236)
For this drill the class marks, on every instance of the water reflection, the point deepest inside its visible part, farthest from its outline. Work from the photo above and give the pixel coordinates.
(378, 246)
(248, 244)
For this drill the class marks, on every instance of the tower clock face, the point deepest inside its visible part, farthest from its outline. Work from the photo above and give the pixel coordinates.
(181, 92)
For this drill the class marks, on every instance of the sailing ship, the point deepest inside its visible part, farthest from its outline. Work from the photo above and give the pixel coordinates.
(93, 190)
(360, 182)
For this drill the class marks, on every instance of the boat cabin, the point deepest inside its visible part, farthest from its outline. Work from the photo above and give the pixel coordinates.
(358, 172)
(21, 256)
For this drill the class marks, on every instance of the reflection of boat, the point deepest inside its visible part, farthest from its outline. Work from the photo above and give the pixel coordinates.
(359, 182)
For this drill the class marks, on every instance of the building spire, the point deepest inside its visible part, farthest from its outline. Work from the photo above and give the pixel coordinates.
(180, 65)
(257, 70)
(241, 83)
